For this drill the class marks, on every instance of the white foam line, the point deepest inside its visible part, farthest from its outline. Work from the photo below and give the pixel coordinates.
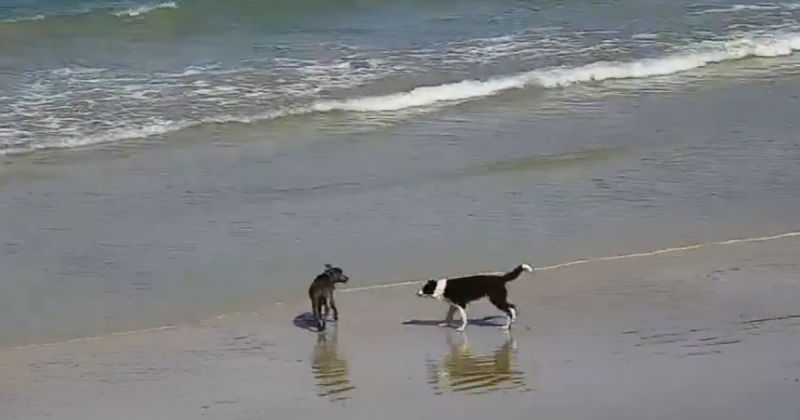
(412, 282)
(609, 258)
(97, 337)
(144, 9)
(749, 7)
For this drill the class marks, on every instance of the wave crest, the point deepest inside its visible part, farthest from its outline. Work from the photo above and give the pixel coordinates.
(145, 9)
(703, 55)
(137, 11)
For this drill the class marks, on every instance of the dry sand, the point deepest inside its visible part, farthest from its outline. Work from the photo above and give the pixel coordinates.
(711, 333)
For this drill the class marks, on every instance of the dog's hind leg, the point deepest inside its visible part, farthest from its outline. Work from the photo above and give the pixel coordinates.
(500, 302)
(321, 317)
(512, 309)
(464, 321)
(315, 312)
(327, 307)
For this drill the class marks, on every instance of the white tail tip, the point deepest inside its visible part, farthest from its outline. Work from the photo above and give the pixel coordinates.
(527, 268)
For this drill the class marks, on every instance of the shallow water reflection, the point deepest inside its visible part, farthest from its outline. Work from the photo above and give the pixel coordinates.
(463, 371)
(329, 369)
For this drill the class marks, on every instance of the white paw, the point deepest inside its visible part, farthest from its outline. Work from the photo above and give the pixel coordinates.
(443, 324)
(505, 327)
(461, 328)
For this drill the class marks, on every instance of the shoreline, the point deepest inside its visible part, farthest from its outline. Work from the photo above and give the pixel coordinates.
(610, 258)
(684, 333)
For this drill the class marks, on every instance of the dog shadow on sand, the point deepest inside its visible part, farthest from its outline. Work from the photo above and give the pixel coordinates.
(305, 321)
(487, 321)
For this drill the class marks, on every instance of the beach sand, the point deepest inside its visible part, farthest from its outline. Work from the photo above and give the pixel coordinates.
(709, 333)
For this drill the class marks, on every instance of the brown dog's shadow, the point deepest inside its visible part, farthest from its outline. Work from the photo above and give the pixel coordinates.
(481, 322)
(305, 321)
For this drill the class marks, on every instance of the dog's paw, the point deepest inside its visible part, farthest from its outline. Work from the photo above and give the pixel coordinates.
(443, 324)
(505, 327)
(461, 328)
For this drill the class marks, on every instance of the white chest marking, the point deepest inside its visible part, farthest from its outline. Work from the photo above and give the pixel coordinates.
(438, 292)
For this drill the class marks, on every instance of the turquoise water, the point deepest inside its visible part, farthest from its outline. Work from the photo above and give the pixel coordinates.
(82, 73)
(166, 162)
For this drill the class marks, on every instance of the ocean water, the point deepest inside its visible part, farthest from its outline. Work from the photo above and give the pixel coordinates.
(165, 162)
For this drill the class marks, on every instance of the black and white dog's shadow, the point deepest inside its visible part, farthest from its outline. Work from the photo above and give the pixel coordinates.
(486, 321)
(305, 321)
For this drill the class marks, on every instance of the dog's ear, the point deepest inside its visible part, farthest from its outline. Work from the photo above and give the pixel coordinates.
(328, 271)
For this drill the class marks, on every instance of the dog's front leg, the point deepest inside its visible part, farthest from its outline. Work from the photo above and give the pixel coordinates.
(335, 309)
(327, 310)
(449, 318)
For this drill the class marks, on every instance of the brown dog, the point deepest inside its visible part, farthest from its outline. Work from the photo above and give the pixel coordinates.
(321, 294)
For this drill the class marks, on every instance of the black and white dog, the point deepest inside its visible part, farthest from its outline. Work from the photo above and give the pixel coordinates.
(458, 292)
(321, 294)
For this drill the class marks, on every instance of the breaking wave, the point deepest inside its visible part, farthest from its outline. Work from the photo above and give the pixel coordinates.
(434, 96)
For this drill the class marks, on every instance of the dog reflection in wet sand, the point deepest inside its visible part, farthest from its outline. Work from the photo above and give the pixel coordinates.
(463, 371)
(329, 369)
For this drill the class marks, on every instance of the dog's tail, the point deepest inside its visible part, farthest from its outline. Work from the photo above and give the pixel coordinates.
(513, 274)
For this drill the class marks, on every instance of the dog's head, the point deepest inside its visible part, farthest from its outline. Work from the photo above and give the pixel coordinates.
(428, 289)
(336, 274)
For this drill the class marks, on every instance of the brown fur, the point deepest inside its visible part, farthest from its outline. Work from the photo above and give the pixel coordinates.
(321, 294)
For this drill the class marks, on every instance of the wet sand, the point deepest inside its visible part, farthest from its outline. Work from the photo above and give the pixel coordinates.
(710, 333)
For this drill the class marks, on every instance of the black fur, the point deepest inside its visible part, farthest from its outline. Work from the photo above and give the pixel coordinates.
(321, 294)
(461, 291)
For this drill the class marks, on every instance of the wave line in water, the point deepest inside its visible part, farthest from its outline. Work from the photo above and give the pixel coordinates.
(758, 7)
(413, 282)
(136, 11)
(710, 53)
(609, 258)
(145, 9)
